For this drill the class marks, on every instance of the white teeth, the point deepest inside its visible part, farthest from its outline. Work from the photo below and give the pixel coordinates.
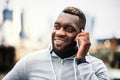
(57, 39)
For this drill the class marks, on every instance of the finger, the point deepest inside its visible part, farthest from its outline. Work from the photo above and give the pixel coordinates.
(82, 30)
(85, 35)
(77, 37)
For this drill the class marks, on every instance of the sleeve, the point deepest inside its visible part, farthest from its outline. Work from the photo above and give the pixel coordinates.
(18, 72)
(95, 70)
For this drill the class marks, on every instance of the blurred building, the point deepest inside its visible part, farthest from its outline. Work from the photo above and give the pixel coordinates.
(25, 26)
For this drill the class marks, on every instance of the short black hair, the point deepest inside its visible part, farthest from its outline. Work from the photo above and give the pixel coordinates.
(77, 12)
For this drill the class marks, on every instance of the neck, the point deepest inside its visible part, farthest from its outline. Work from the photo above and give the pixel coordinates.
(67, 53)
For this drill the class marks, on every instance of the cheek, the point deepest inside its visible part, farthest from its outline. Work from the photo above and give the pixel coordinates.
(53, 33)
(72, 37)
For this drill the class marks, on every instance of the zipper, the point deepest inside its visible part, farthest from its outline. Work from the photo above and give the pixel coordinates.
(61, 68)
(62, 60)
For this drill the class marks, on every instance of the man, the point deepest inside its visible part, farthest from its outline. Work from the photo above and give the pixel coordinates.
(67, 58)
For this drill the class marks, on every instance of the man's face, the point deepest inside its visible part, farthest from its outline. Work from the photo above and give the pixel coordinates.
(66, 27)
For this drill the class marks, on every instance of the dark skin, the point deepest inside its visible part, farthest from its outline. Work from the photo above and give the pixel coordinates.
(66, 32)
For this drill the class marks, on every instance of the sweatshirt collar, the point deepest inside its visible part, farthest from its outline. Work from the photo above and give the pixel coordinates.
(55, 56)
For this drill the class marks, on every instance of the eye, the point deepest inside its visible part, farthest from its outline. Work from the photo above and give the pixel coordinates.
(70, 29)
(56, 26)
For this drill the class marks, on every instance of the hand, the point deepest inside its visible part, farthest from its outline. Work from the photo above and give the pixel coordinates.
(84, 40)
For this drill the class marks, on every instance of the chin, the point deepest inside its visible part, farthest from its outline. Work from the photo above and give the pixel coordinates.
(62, 49)
(58, 48)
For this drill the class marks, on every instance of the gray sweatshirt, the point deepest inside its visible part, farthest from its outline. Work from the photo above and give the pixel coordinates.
(41, 65)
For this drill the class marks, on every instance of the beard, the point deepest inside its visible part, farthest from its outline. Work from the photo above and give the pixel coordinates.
(66, 51)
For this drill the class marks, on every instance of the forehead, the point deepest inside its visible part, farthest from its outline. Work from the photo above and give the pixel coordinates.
(68, 18)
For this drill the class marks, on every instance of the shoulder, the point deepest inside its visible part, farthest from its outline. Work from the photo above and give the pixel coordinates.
(42, 52)
(95, 62)
(35, 55)
(92, 59)
(39, 54)
(27, 63)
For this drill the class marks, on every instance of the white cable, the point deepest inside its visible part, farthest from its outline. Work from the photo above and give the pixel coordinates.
(74, 65)
(52, 67)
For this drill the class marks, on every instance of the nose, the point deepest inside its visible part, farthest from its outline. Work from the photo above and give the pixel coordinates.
(60, 32)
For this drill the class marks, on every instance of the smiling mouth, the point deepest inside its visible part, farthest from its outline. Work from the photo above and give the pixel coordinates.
(59, 41)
